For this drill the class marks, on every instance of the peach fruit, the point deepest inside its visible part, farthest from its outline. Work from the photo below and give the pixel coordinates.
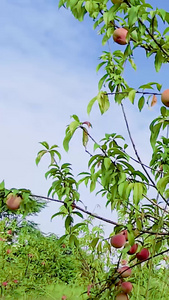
(133, 249)
(143, 254)
(118, 240)
(119, 36)
(121, 296)
(165, 97)
(13, 201)
(124, 271)
(126, 287)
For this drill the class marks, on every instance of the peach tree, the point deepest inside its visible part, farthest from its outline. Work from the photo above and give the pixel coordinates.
(138, 192)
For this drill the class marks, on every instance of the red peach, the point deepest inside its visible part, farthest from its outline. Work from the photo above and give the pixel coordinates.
(119, 36)
(124, 271)
(118, 240)
(126, 287)
(133, 249)
(143, 254)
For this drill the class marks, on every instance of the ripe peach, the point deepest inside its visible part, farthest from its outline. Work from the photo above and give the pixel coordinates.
(143, 254)
(126, 287)
(124, 271)
(13, 201)
(9, 231)
(119, 36)
(165, 97)
(121, 296)
(133, 249)
(118, 240)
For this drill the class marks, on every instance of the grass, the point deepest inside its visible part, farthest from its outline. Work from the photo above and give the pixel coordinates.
(52, 292)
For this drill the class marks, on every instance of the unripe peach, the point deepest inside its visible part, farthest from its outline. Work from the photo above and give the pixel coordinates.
(124, 271)
(13, 201)
(119, 36)
(165, 97)
(126, 287)
(121, 296)
(118, 240)
(133, 249)
(143, 254)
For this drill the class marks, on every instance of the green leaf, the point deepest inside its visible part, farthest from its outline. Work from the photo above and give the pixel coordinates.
(68, 222)
(131, 237)
(161, 184)
(137, 192)
(77, 226)
(158, 60)
(103, 101)
(94, 242)
(2, 185)
(73, 126)
(58, 214)
(66, 141)
(90, 105)
(39, 156)
(107, 162)
(132, 64)
(100, 65)
(45, 144)
(131, 95)
(92, 186)
(101, 81)
(154, 134)
(62, 238)
(78, 214)
(61, 3)
(132, 15)
(141, 103)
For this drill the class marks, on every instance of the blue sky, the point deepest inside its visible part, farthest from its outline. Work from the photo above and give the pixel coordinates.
(47, 73)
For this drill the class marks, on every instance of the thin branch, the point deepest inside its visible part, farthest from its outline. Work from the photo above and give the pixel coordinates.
(81, 209)
(154, 203)
(137, 92)
(136, 153)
